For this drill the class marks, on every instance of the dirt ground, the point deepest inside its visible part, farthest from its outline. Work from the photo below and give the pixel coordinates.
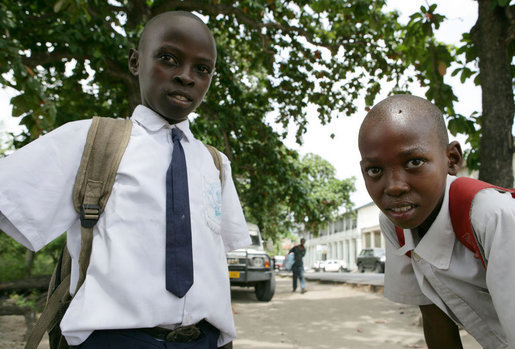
(327, 316)
(12, 331)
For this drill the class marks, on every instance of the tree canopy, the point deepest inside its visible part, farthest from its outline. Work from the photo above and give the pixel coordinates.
(68, 60)
(486, 56)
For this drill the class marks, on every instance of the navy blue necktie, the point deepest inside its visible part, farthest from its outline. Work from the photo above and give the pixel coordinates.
(179, 260)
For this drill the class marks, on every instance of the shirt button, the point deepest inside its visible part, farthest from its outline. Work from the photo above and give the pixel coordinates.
(416, 256)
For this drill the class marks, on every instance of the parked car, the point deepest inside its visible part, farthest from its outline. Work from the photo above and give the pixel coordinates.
(252, 267)
(335, 265)
(318, 266)
(279, 262)
(371, 258)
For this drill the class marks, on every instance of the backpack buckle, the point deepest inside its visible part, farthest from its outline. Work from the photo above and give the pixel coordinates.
(89, 215)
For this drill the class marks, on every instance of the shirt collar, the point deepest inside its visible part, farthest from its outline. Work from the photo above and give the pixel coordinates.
(437, 245)
(153, 122)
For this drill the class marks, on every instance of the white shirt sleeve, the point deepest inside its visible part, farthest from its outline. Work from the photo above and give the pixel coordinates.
(400, 282)
(234, 227)
(36, 186)
(493, 219)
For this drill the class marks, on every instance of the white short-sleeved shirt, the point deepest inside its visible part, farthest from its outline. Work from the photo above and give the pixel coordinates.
(444, 272)
(125, 281)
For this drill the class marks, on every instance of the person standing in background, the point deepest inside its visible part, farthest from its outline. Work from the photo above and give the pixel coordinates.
(298, 266)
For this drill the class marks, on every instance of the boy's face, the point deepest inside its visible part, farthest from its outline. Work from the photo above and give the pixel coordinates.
(405, 168)
(175, 66)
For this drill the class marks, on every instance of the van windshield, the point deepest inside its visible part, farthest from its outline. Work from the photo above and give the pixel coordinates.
(255, 240)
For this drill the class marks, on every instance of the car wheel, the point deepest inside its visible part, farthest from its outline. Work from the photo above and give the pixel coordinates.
(361, 268)
(341, 270)
(378, 268)
(265, 289)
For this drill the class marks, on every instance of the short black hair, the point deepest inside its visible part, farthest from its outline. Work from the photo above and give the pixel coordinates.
(415, 107)
(154, 19)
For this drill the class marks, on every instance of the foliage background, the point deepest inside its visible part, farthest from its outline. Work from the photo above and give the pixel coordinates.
(280, 58)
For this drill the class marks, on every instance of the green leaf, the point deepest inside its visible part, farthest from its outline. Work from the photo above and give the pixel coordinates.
(502, 3)
(59, 5)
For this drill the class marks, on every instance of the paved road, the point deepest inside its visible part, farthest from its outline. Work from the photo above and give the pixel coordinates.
(329, 316)
(375, 279)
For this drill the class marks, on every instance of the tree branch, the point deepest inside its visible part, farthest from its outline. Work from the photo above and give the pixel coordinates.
(114, 70)
(42, 58)
(213, 116)
(219, 8)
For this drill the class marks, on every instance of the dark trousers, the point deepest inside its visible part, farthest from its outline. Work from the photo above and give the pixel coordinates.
(298, 273)
(137, 339)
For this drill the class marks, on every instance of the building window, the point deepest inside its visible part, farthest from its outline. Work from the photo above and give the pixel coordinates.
(377, 239)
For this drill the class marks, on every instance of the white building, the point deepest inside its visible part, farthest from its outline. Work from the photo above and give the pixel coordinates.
(343, 239)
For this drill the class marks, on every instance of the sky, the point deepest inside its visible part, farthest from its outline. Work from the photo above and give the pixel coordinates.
(342, 151)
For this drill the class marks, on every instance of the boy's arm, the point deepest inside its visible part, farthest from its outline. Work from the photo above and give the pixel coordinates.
(233, 226)
(36, 186)
(439, 330)
(493, 216)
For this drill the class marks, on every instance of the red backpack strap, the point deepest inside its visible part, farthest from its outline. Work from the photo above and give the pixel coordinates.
(462, 192)
(400, 238)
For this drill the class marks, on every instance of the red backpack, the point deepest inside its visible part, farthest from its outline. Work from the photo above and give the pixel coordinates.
(462, 192)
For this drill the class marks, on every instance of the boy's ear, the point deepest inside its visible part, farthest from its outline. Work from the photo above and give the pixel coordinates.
(455, 157)
(133, 61)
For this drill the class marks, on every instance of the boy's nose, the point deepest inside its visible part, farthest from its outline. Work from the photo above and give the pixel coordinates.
(184, 77)
(396, 184)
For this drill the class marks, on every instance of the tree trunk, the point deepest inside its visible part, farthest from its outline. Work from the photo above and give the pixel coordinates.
(490, 36)
(29, 262)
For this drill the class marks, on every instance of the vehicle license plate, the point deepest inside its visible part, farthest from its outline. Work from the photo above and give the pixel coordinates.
(234, 274)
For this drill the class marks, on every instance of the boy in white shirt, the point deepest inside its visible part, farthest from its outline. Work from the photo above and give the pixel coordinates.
(406, 163)
(124, 301)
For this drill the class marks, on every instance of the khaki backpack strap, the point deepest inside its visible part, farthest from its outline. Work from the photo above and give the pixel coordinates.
(58, 301)
(105, 146)
(217, 158)
(106, 143)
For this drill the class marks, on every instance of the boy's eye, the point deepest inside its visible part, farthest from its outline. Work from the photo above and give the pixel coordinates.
(204, 69)
(168, 58)
(415, 163)
(374, 172)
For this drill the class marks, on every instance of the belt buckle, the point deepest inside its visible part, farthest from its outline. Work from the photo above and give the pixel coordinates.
(186, 334)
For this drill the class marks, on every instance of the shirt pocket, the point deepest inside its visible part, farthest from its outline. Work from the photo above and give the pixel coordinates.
(212, 193)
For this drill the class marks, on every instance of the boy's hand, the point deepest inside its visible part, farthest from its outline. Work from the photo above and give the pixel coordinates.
(439, 330)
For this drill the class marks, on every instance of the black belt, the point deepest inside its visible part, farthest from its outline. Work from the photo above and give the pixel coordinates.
(184, 334)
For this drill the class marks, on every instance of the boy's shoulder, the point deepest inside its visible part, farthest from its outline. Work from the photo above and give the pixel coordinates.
(464, 189)
(471, 200)
(487, 201)
(467, 193)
